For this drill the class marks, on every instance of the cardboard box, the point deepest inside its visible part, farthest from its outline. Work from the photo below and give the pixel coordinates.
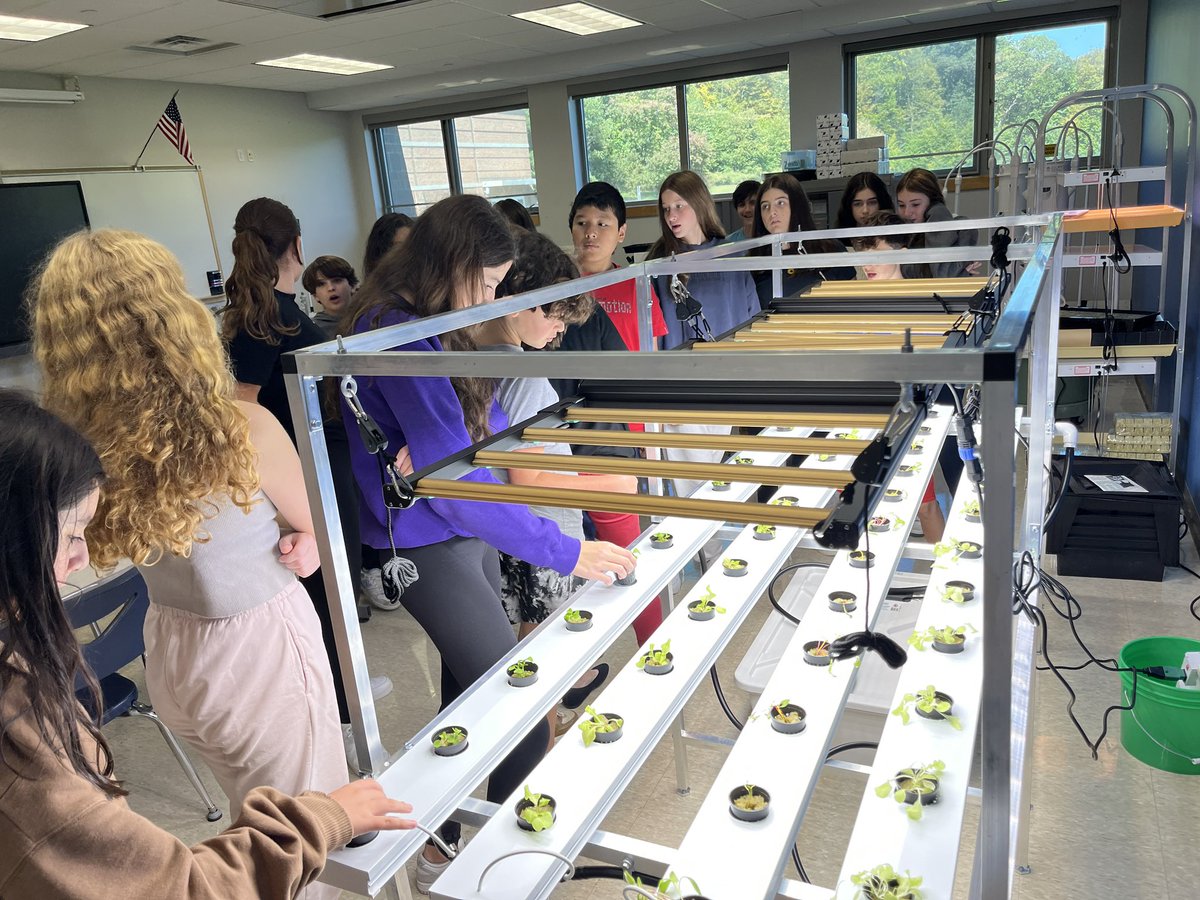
(835, 118)
(872, 155)
(868, 143)
(792, 160)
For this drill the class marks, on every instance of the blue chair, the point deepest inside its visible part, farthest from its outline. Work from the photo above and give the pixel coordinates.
(115, 644)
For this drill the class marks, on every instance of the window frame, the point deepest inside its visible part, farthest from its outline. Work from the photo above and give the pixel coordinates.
(445, 120)
(680, 86)
(985, 35)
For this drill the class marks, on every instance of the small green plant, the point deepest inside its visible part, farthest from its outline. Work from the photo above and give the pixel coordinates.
(655, 656)
(597, 723)
(900, 523)
(824, 457)
(784, 501)
(893, 493)
(720, 484)
(452, 737)
(764, 529)
(946, 549)
(917, 446)
(946, 634)
(706, 604)
(670, 887)
(779, 712)
(851, 435)
(954, 594)
(971, 508)
(858, 555)
(885, 883)
(913, 467)
(743, 461)
(538, 813)
(522, 668)
(661, 536)
(918, 779)
(734, 564)
(574, 616)
(751, 801)
(927, 701)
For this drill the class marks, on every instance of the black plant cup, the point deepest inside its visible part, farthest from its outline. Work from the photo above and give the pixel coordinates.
(879, 524)
(975, 551)
(748, 815)
(788, 727)
(737, 572)
(968, 589)
(666, 542)
(650, 669)
(608, 737)
(950, 646)
(721, 485)
(892, 495)
(862, 559)
(580, 626)
(813, 659)
(765, 535)
(935, 714)
(524, 804)
(700, 615)
(527, 680)
(843, 601)
(926, 798)
(453, 749)
(625, 580)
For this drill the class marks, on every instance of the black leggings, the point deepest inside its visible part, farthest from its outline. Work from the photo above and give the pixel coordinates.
(456, 599)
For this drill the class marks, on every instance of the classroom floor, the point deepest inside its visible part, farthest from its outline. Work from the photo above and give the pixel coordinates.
(1104, 828)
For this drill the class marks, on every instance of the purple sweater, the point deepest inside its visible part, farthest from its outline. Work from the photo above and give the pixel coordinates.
(433, 429)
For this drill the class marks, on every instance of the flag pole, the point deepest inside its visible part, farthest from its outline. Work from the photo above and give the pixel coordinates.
(152, 130)
(212, 233)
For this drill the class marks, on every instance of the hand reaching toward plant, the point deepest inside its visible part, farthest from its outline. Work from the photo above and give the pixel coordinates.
(368, 806)
(598, 558)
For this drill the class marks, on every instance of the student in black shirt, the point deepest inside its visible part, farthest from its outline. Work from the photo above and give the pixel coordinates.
(259, 324)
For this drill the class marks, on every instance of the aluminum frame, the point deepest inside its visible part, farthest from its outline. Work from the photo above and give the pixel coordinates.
(1032, 307)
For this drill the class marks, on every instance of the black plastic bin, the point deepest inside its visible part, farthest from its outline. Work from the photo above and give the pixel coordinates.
(1102, 534)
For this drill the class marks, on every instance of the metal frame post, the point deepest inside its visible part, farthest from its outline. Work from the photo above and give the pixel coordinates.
(305, 402)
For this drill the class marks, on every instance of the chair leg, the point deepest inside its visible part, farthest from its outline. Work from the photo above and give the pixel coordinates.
(144, 710)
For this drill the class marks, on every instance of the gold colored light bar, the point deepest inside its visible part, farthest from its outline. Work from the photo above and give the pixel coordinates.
(848, 344)
(641, 504)
(905, 287)
(588, 438)
(653, 468)
(749, 418)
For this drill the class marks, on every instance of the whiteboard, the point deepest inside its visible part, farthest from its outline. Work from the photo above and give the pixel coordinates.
(165, 205)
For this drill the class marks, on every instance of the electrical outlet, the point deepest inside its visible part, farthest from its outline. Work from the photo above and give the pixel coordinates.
(241, 155)
(249, 156)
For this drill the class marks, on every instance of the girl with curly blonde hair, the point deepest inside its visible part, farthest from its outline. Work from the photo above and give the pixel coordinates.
(195, 479)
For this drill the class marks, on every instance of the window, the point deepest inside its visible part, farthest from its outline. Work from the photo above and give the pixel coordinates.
(732, 129)
(489, 154)
(936, 100)
(1036, 69)
(631, 140)
(922, 98)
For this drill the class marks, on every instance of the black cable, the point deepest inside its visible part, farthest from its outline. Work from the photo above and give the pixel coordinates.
(1062, 492)
(716, 683)
(799, 865)
(850, 745)
(771, 587)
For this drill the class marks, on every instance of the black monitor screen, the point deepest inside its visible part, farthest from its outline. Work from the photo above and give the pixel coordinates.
(33, 218)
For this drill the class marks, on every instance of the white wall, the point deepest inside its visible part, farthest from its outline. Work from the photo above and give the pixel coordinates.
(314, 162)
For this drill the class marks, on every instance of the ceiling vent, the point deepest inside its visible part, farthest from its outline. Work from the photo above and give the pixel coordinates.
(326, 9)
(183, 45)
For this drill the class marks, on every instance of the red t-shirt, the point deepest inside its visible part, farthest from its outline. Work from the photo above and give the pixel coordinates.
(620, 302)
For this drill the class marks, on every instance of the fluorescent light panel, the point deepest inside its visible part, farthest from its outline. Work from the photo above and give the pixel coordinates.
(330, 65)
(578, 18)
(15, 28)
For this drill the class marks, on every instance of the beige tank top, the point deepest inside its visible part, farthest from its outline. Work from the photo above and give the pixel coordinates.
(235, 570)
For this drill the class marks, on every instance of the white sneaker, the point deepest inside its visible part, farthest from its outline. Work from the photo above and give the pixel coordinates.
(372, 589)
(381, 686)
(429, 872)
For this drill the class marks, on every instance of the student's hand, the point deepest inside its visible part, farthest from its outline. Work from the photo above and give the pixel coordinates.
(598, 558)
(975, 268)
(368, 806)
(404, 463)
(298, 553)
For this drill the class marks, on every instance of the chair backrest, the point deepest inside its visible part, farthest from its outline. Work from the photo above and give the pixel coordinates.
(120, 641)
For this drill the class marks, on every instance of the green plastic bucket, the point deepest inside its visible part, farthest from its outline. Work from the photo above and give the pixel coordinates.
(1163, 728)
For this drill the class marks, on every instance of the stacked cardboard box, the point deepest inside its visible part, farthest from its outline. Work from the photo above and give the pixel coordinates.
(1139, 436)
(833, 130)
(865, 155)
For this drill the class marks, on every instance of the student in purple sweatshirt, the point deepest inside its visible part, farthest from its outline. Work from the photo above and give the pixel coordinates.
(445, 564)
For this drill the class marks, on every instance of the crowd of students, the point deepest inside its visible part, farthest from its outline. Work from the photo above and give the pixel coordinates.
(166, 439)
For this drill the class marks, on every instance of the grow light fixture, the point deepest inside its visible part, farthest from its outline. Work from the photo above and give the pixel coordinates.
(17, 28)
(330, 65)
(578, 18)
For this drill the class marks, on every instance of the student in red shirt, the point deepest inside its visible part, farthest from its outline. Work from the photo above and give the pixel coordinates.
(597, 229)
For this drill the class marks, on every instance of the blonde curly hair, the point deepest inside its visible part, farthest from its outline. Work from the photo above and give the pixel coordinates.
(131, 359)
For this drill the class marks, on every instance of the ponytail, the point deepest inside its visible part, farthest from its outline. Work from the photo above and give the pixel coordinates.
(263, 231)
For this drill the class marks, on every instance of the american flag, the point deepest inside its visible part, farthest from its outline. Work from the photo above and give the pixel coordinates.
(170, 123)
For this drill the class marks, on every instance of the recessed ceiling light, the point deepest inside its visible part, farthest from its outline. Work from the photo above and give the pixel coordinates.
(578, 18)
(330, 65)
(15, 28)
(667, 51)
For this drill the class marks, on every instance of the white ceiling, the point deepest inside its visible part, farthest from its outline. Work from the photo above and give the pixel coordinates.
(436, 45)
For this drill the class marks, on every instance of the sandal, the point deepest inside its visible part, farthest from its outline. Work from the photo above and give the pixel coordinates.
(563, 720)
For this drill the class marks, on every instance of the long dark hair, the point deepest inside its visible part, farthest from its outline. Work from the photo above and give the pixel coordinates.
(263, 232)
(46, 466)
(451, 244)
(801, 216)
(516, 213)
(691, 187)
(921, 181)
(382, 238)
(540, 262)
(863, 181)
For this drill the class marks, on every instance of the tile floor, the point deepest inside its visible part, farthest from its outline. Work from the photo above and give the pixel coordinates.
(1104, 828)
